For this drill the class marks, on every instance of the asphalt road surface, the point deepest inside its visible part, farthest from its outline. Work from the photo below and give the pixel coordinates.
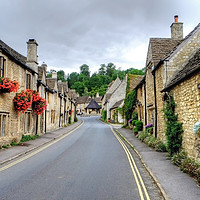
(91, 163)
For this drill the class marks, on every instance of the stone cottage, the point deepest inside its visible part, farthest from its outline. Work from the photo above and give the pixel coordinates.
(166, 59)
(24, 70)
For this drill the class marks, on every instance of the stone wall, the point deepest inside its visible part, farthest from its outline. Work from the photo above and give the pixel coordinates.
(159, 77)
(187, 98)
(15, 124)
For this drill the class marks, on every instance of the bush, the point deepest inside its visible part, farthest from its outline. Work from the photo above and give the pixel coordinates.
(187, 165)
(135, 130)
(133, 122)
(139, 125)
(75, 119)
(141, 136)
(160, 146)
(69, 120)
(104, 115)
(134, 115)
(28, 137)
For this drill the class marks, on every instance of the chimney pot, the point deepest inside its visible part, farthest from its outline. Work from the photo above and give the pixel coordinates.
(176, 18)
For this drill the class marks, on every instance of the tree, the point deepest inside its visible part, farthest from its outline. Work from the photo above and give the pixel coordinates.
(61, 75)
(72, 78)
(110, 69)
(84, 69)
(102, 69)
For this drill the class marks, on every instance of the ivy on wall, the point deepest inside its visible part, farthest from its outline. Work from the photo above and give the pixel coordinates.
(174, 129)
(129, 103)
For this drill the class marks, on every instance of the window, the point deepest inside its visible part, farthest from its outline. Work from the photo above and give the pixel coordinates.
(28, 81)
(2, 66)
(27, 124)
(3, 118)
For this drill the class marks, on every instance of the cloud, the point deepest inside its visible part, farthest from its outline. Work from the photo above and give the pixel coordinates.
(73, 32)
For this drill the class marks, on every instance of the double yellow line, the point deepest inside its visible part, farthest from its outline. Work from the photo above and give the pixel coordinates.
(39, 150)
(138, 179)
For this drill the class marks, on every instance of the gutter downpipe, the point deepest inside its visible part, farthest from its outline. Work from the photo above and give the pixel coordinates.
(36, 132)
(155, 101)
(145, 102)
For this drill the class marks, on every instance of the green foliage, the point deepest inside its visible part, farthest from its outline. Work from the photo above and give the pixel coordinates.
(133, 122)
(173, 127)
(187, 165)
(139, 125)
(104, 115)
(61, 76)
(129, 103)
(84, 69)
(28, 137)
(69, 120)
(14, 144)
(134, 115)
(151, 141)
(6, 146)
(135, 130)
(75, 119)
(97, 82)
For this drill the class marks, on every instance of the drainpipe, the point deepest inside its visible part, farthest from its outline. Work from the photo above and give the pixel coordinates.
(45, 119)
(155, 101)
(36, 132)
(145, 102)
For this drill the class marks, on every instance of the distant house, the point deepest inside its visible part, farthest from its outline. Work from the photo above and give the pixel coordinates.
(93, 107)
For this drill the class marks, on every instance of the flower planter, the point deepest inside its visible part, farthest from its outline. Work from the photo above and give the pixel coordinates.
(7, 85)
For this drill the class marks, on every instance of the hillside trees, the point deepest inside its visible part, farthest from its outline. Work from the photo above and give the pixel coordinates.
(86, 84)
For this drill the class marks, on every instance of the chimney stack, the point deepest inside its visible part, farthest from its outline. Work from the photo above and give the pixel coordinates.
(54, 75)
(32, 55)
(177, 29)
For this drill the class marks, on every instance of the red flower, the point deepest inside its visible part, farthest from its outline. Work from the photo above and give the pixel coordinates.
(6, 85)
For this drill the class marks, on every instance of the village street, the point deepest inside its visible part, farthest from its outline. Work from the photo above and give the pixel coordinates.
(89, 163)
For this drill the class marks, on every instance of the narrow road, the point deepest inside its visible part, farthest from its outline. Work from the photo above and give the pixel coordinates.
(92, 163)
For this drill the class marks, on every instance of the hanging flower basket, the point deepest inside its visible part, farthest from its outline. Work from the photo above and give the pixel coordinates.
(22, 101)
(39, 105)
(7, 85)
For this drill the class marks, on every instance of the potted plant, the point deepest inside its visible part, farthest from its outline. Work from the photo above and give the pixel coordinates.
(22, 101)
(7, 85)
(39, 105)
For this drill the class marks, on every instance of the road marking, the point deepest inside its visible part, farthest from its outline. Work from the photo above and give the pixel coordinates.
(135, 171)
(39, 150)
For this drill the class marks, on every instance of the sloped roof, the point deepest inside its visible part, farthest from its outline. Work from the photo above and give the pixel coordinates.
(51, 82)
(98, 99)
(93, 105)
(161, 47)
(117, 104)
(192, 66)
(134, 80)
(83, 99)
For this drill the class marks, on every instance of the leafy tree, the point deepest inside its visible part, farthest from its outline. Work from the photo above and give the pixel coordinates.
(61, 76)
(84, 69)
(110, 69)
(72, 78)
(79, 87)
(102, 69)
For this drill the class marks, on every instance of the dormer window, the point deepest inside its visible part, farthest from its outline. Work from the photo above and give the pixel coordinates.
(2, 66)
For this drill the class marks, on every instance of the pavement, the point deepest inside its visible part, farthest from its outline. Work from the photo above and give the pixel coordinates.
(173, 184)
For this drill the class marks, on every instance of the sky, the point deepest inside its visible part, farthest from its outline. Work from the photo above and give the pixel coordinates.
(93, 32)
